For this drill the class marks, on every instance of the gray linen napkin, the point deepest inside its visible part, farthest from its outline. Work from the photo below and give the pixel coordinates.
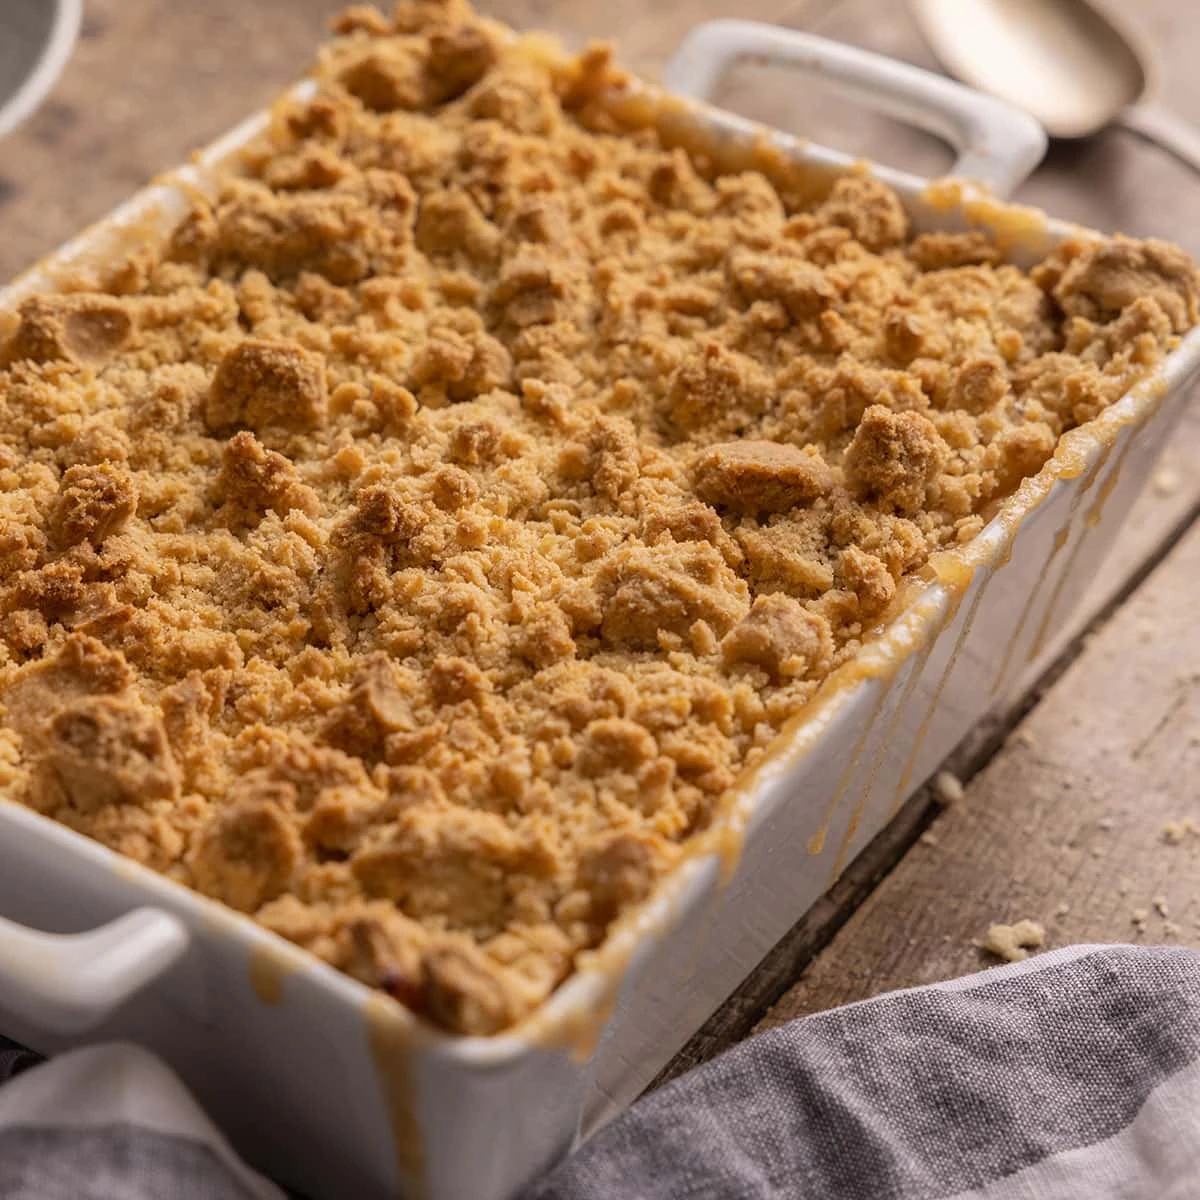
(1071, 1076)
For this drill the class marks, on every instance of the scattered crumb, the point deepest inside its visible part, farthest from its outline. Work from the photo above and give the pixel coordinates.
(1175, 833)
(1099, 851)
(1160, 906)
(1013, 942)
(1023, 738)
(1062, 910)
(948, 788)
(928, 838)
(1166, 481)
(1170, 929)
(1105, 823)
(1123, 887)
(1139, 917)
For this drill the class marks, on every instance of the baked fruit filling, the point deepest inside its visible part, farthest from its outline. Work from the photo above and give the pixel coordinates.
(414, 550)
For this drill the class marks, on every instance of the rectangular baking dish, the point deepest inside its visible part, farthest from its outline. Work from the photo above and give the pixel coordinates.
(338, 1091)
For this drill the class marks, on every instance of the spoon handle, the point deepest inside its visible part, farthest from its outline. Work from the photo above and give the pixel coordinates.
(1171, 133)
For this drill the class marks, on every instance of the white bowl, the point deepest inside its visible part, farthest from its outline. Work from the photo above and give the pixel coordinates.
(36, 39)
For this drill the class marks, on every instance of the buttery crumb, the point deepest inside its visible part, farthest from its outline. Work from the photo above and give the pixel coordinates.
(1166, 481)
(1139, 917)
(1160, 906)
(947, 789)
(1175, 833)
(414, 550)
(1013, 942)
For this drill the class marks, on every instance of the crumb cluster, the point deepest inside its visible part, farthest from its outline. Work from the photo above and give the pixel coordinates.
(413, 551)
(1013, 943)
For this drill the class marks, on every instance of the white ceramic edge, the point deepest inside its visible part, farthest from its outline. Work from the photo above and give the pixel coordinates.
(69, 983)
(581, 992)
(998, 145)
(159, 889)
(39, 82)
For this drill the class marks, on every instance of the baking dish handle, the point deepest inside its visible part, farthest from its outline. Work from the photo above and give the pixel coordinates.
(68, 983)
(998, 145)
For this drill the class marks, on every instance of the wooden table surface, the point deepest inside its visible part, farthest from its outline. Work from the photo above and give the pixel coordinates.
(1069, 795)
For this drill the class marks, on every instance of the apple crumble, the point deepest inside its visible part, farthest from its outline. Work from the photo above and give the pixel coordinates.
(412, 551)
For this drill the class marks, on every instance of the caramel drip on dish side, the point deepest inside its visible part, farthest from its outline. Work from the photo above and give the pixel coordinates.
(947, 671)
(816, 843)
(390, 1037)
(1047, 621)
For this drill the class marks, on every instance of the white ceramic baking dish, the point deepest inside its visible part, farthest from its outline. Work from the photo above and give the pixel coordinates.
(337, 1090)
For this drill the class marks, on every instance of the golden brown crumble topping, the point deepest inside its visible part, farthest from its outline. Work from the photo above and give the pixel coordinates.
(413, 552)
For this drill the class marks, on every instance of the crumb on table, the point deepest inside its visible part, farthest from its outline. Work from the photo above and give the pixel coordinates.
(948, 788)
(1013, 942)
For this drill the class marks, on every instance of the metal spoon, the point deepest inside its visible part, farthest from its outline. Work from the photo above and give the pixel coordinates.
(1067, 62)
